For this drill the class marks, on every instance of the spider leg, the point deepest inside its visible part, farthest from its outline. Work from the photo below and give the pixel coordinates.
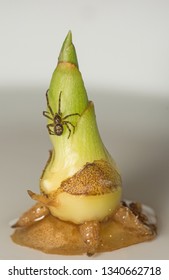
(71, 125)
(45, 113)
(47, 99)
(75, 114)
(67, 124)
(49, 128)
(59, 105)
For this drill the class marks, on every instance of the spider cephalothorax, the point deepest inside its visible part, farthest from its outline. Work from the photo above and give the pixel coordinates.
(56, 127)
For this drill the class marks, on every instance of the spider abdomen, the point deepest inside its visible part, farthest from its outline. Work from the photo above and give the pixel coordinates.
(58, 129)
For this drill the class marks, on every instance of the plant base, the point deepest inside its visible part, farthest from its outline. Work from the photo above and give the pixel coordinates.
(128, 226)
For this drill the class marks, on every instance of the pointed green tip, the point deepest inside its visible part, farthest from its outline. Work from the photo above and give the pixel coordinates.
(68, 52)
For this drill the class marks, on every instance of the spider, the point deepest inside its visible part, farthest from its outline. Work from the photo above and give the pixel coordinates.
(56, 128)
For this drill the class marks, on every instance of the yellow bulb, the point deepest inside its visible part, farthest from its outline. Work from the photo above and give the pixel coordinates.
(82, 208)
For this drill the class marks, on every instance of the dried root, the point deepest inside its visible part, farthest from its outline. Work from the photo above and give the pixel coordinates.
(34, 214)
(90, 233)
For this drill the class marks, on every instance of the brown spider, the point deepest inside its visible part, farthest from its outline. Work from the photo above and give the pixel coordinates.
(56, 128)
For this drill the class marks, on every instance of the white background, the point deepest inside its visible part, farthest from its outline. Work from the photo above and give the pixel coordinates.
(123, 44)
(123, 53)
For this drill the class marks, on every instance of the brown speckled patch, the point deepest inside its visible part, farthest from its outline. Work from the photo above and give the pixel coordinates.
(98, 177)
